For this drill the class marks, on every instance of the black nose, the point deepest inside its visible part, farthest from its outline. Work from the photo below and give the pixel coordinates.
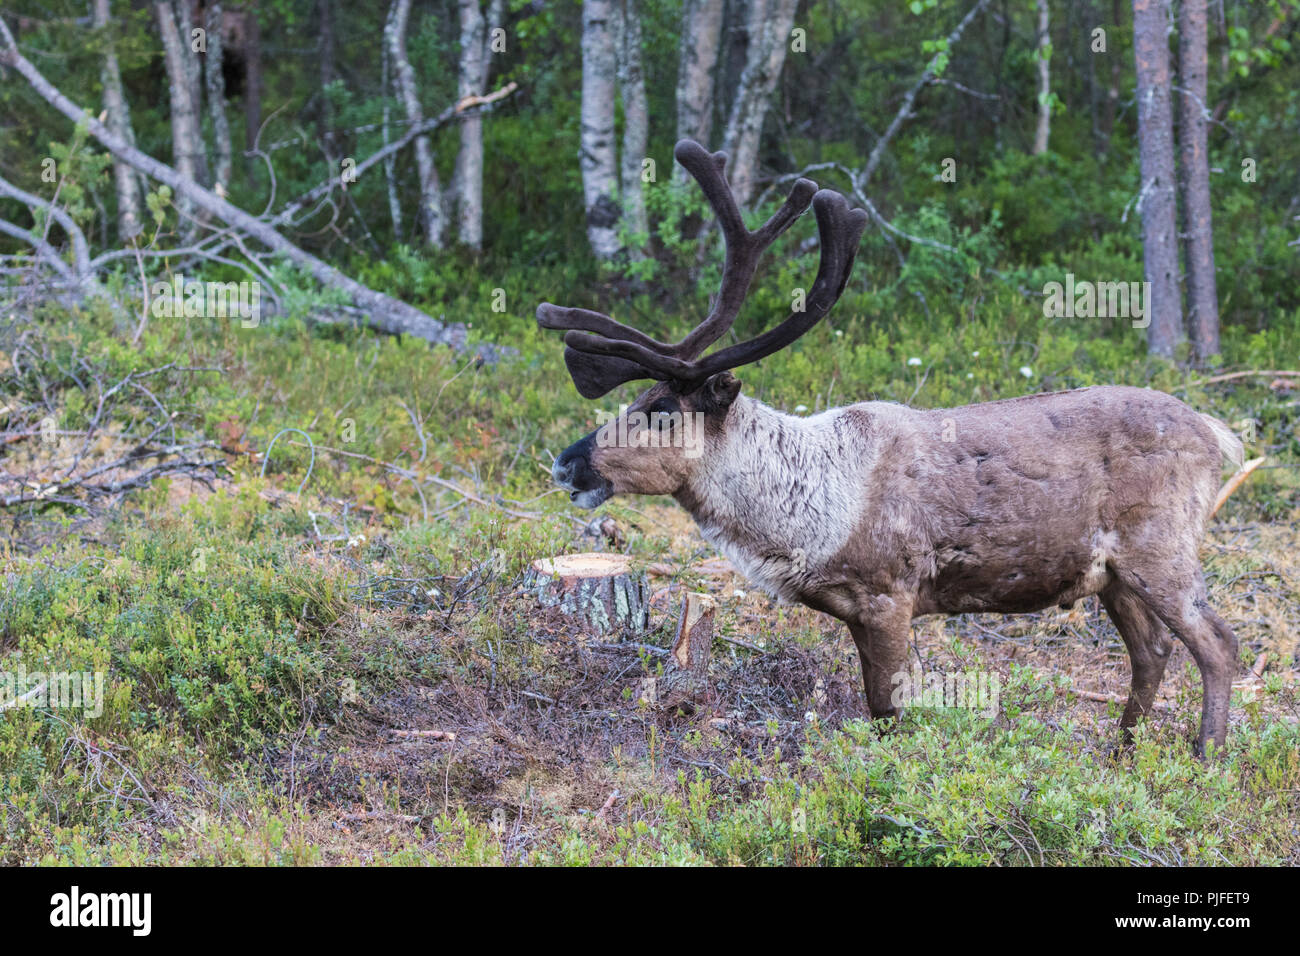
(563, 470)
(573, 468)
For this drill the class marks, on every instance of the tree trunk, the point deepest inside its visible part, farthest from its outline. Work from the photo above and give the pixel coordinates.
(598, 160)
(192, 65)
(431, 213)
(769, 25)
(118, 119)
(1158, 200)
(1044, 130)
(474, 60)
(1202, 296)
(328, 74)
(697, 60)
(216, 88)
(390, 162)
(1116, 73)
(187, 141)
(252, 84)
(636, 120)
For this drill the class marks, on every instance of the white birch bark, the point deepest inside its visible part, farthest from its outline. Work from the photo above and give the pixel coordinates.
(1044, 129)
(636, 118)
(187, 143)
(215, 85)
(118, 119)
(431, 211)
(697, 62)
(769, 25)
(474, 60)
(598, 161)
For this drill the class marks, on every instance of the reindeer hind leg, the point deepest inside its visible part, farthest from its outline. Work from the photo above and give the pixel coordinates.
(1148, 642)
(1178, 597)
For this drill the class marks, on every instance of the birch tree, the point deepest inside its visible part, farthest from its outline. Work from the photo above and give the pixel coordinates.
(697, 62)
(599, 162)
(636, 116)
(187, 140)
(192, 68)
(431, 211)
(475, 56)
(252, 83)
(118, 119)
(215, 85)
(1202, 295)
(1044, 56)
(1157, 194)
(769, 24)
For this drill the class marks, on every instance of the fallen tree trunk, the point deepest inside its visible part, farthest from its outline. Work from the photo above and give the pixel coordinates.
(381, 311)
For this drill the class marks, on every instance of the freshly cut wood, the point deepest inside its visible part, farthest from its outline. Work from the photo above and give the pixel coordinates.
(597, 589)
(694, 641)
(684, 683)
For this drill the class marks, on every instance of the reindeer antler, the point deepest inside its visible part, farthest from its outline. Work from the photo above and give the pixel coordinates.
(602, 354)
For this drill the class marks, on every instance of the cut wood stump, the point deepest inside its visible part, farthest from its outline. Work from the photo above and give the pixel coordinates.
(684, 682)
(694, 641)
(596, 589)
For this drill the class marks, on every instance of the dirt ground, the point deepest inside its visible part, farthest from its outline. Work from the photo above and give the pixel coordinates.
(550, 721)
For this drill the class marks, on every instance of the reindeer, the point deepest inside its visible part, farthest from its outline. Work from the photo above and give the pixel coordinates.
(877, 513)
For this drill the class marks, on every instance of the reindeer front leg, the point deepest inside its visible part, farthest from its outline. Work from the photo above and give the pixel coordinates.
(881, 634)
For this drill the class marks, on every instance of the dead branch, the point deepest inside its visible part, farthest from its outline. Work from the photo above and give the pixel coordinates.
(1251, 373)
(446, 735)
(905, 111)
(364, 815)
(1113, 699)
(382, 311)
(285, 215)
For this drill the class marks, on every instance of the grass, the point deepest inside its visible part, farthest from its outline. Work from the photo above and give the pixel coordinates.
(262, 645)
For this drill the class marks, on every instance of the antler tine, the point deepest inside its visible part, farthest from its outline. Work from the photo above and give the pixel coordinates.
(743, 247)
(584, 320)
(839, 227)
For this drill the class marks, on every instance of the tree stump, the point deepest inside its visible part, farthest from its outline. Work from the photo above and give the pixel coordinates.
(684, 682)
(596, 589)
(694, 642)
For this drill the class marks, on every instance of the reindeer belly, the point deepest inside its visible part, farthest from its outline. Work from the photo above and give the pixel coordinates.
(1016, 572)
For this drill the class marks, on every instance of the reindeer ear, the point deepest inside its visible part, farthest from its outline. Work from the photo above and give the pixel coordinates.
(719, 392)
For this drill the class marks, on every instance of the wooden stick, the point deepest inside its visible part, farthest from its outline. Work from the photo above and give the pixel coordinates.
(1113, 699)
(426, 734)
(25, 697)
(694, 638)
(607, 806)
(1233, 483)
(1260, 663)
(380, 815)
(1231, 376)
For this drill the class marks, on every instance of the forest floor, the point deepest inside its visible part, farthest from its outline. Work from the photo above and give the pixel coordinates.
(339, 661)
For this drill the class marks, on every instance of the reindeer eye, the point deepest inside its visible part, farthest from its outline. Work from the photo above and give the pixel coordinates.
(661, 421)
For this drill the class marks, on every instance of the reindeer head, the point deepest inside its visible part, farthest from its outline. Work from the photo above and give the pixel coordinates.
(654, 445)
